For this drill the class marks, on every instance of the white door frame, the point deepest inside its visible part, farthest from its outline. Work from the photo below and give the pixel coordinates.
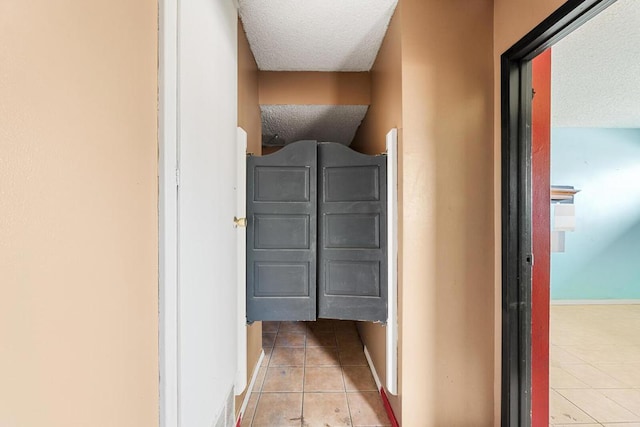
(168, 175)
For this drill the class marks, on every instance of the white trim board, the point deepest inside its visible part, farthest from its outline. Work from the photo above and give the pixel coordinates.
(241, 236)
(392, 263)
(256, 370)
(595, 301)
(168, 213)
(376, 378)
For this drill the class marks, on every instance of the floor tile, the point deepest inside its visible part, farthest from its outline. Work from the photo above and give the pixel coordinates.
(262, 372)
(270, 327)
(598, 406)
(250, 410)
(560, 357)
(352, 356)
(293, 327)
(348, 339)
(323, 378)
(321, 339)
(593, 376)
(283, 379)
(359, 378)
(580, 425)
(621, 425)
(311, 362)
(278, 409)
(367, 409)
(268, 339)
(267, 357)
(320, 325)
(288, 339)
(287, 356)
(325, 409)
(627, 398)
(559, 378)
(596, 354)
(322, 356)
(561, 411)
(627, 373)
(345, 326)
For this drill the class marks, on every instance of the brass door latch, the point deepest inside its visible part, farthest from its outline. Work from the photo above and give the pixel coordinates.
(240, 222)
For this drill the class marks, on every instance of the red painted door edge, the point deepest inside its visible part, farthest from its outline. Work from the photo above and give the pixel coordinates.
(388, 408)
(541, 237)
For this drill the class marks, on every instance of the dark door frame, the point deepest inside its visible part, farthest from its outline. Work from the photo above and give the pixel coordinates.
(517, 257)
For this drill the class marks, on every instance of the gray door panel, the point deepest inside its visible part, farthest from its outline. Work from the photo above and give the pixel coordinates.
(352, 248)
(282, 234)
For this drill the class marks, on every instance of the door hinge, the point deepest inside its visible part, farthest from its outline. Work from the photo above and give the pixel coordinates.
(177, 177)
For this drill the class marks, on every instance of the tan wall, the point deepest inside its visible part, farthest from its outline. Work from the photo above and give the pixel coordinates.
(249, 120)
(248, 107)
(385, 113)
(314, 88)
(513, 19)
(448, 270)
(78, 213)
(443, 52)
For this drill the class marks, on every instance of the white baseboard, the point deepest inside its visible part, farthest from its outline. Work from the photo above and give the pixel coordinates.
(373, 368)
(595, 301)
(249, 390)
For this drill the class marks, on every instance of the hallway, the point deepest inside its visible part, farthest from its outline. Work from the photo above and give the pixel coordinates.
(314, 374)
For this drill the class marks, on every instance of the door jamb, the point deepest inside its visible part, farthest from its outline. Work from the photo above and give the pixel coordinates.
(517, 259)
(168, 173)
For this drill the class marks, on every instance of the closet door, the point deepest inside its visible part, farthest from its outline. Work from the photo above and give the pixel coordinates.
(282, 234)
(352, 248)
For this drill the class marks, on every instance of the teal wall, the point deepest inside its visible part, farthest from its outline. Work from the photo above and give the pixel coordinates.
(602, 258)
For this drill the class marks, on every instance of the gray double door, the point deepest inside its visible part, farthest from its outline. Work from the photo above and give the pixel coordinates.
(316, 234)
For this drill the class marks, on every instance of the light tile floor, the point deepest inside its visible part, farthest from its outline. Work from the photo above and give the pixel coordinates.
(594, 371)
(314, 374)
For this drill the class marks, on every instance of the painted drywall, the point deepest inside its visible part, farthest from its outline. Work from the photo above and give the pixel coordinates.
(314, 88)
(207, 199)
(78, 213)
(311, 105)
(248, 93)
(385, 113)
(447, 213)
(512, 20)
(443, 106)
(249, 120)
(603, 253)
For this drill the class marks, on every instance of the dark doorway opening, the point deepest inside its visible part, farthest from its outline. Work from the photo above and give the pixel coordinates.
(517, 254)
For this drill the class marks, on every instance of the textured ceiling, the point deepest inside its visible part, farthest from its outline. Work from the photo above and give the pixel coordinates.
(333, 123)
(596, 71)
(316, 35)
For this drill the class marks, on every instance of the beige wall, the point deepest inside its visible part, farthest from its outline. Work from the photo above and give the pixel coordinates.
(314, 88)
(385, 113)
(249, 119)
(78, 213)
(513, 19)
(448, 274)
(442, 100)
